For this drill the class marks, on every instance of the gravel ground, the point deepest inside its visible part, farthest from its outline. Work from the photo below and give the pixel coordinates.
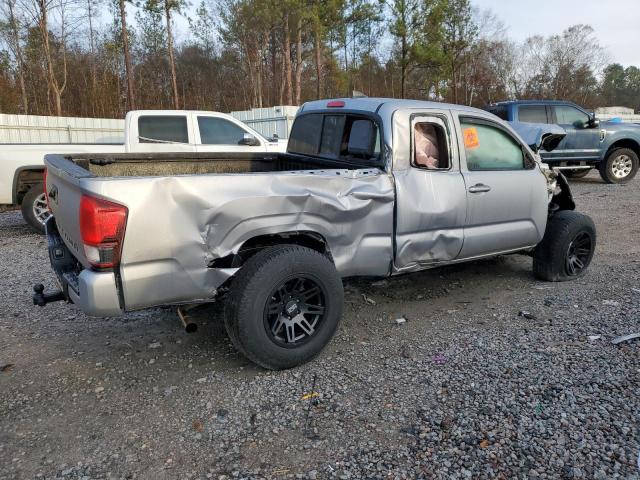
(466, 388)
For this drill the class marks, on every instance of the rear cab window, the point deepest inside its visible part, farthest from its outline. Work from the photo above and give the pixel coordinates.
(163, 129)
(346, 137)
(430, 146)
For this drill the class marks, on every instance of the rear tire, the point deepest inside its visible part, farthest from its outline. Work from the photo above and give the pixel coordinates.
(620, 166)
(34, 208)
(577, 173)
(567, 247)
(284, 306)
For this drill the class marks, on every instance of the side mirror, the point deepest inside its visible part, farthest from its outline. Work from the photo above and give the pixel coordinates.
(594, 122)
(550, 141)
(249, 140)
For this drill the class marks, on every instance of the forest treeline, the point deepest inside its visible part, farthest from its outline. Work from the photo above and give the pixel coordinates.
(101, 58)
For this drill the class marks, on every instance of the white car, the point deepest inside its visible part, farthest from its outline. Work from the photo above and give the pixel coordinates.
(146, 131)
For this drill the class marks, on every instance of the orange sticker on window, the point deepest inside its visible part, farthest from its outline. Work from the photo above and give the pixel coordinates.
(471, 139)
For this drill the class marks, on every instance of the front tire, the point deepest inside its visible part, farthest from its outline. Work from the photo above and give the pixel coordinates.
(567, 247)
(620, 166)
(34, 208)
(284, 306)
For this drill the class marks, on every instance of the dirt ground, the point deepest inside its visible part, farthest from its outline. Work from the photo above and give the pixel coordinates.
(468, 387)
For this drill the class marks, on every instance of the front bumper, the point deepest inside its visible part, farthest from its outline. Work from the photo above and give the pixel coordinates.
(95, 293)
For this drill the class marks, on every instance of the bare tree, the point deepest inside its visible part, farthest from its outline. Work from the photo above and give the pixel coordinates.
(286, 52)
(128, 64)
(14, 42)
(41, 10)
(169, 7)
(298, 70)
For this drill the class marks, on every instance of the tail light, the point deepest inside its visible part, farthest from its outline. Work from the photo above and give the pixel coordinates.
(102, 225)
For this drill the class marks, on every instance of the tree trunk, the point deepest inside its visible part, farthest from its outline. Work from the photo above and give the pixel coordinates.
(299, 60)
(51, 77)
(346, 64)
(317, 46)
(274, 66)
(286, 51)
(403, 65)
(172, 62)
(15, 34)
(94, 74)
(283, 85)
(128, 65)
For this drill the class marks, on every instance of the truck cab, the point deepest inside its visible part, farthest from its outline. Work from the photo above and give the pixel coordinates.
(612, 148)
(192, 131)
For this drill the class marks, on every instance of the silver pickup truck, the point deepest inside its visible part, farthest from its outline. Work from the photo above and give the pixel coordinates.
(367, 187)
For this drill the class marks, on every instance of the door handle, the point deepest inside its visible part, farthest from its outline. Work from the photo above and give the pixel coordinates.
(479, 188)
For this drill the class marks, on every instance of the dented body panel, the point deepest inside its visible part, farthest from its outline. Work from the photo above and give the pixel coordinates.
(207, 218)
(178, 225)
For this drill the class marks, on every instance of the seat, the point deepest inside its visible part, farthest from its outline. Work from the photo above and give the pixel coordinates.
(427, 153)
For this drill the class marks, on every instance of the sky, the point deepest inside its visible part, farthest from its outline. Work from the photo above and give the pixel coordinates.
(616, 22)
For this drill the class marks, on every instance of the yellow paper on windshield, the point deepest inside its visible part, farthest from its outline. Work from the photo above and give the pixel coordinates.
(471, 139)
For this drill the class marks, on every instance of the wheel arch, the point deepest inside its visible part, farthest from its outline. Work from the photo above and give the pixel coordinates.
(629, 143)
(23, 179)
(563, 197)
(253, 245)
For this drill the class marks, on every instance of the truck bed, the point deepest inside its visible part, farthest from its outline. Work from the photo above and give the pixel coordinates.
(169, 164)
(187, 213)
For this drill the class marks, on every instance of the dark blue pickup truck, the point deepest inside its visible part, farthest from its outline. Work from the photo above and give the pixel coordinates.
(613, 148)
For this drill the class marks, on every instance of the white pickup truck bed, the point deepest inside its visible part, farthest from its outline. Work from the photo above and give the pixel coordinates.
(146, 131)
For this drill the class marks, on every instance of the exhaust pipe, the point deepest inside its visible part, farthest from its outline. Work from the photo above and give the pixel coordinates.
(189, 325)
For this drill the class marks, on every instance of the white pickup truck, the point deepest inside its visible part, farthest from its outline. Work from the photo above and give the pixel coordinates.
(146, 131)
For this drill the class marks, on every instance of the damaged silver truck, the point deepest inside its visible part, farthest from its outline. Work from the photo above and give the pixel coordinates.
(367, 187)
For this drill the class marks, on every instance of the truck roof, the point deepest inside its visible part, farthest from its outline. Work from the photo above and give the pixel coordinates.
(372, 104)
(178, 112)
(529, 102)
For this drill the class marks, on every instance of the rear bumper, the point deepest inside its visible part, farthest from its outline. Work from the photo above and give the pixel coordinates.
(95, 293)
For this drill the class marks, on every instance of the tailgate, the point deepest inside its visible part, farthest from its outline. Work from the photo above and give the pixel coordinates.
(63, 187)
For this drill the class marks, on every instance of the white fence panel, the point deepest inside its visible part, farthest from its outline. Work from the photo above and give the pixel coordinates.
(269, 121)
(43, 129)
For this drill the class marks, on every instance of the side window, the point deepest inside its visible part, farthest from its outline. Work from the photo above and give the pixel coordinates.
(430, 147)
(568, 115)
(166, 128)
(490, 148)
(532, 114)
(218, 131)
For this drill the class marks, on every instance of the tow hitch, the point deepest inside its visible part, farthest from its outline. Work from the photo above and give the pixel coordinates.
(41, 299)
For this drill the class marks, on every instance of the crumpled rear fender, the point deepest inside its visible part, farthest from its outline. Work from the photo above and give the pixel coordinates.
(178, 226)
